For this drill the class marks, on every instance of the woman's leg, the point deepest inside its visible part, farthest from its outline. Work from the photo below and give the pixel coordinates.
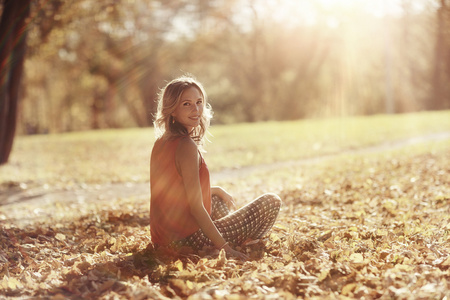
(252, 221)
(219, 208)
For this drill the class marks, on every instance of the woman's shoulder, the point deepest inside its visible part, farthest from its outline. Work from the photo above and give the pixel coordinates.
(169, 140)
(186, 144)
(165, 145)
(186, 155)
(183, 146)
(186, 149)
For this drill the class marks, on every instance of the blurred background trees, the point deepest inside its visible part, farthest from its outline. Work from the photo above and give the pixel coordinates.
(99, 64)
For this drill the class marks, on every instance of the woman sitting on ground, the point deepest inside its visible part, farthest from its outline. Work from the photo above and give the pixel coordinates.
(184, 208)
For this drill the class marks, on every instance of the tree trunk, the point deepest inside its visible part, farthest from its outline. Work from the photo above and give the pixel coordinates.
(13, 29)
(438, 93)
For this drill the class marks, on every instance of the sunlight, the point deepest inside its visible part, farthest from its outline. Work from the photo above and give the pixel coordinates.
(346, 26)
(311, 12)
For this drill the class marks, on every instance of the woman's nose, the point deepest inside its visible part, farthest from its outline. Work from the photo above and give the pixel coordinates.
(196, 107)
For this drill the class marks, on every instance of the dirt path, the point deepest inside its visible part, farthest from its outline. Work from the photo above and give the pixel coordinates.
(43, 196)
(243, 172)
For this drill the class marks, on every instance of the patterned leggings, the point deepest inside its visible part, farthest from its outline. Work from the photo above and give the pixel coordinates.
(252, 221)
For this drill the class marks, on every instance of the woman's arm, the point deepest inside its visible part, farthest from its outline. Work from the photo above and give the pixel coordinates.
(187, 161)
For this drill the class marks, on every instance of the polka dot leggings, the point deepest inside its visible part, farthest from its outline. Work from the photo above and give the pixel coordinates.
(252, 221)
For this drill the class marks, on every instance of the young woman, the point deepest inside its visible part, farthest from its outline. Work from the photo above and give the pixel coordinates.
(184, 208)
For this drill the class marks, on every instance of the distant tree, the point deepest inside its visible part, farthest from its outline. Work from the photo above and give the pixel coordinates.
(13, 33)
(441, 72)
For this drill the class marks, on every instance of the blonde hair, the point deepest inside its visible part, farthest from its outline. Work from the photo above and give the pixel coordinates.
(168, 100)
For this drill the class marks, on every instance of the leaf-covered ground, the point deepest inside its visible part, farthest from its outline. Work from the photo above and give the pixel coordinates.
(372, 226)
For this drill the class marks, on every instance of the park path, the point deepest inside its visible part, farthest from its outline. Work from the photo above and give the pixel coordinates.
(43, 196)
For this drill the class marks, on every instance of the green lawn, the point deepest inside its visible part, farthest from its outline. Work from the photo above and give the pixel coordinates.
(123, 155)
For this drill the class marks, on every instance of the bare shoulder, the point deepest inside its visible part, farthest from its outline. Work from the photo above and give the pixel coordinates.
(187, 152)
(187, 145)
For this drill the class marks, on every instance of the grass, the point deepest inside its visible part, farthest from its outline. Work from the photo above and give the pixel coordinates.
(261, 143)
(123, 155)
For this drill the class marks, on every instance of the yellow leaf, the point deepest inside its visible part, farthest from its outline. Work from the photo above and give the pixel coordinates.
(189, 285)
(323, 275)
(60, 237)
(4, 282)
(264, 278)
(382, 232)
(348, 288)
(280, 227)
(287, 257)
(356, 258)
(404, 268)
(13, 283)
(274, 238)
(179, 265)
(360, 213)
(178, 283)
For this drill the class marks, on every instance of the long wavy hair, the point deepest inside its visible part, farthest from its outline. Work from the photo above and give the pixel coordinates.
(168, 99)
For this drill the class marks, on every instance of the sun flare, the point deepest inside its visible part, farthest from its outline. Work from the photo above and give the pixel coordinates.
(328, 12)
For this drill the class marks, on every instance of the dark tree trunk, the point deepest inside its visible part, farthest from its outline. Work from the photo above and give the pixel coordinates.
(13, 31)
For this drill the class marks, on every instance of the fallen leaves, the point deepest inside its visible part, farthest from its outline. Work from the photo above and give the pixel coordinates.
(366, 227)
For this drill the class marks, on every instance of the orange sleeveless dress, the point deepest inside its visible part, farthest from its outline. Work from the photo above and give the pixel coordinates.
(170, 215)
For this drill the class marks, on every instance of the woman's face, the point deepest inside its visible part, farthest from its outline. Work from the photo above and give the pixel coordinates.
(190, 108)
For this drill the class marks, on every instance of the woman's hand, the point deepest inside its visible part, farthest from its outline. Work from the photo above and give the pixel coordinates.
(229, 200)
(234, 253)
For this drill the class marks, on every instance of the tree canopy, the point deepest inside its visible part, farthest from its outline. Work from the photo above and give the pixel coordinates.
(100, 64)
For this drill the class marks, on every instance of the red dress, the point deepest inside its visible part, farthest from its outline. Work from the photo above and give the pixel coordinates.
(170, 214)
